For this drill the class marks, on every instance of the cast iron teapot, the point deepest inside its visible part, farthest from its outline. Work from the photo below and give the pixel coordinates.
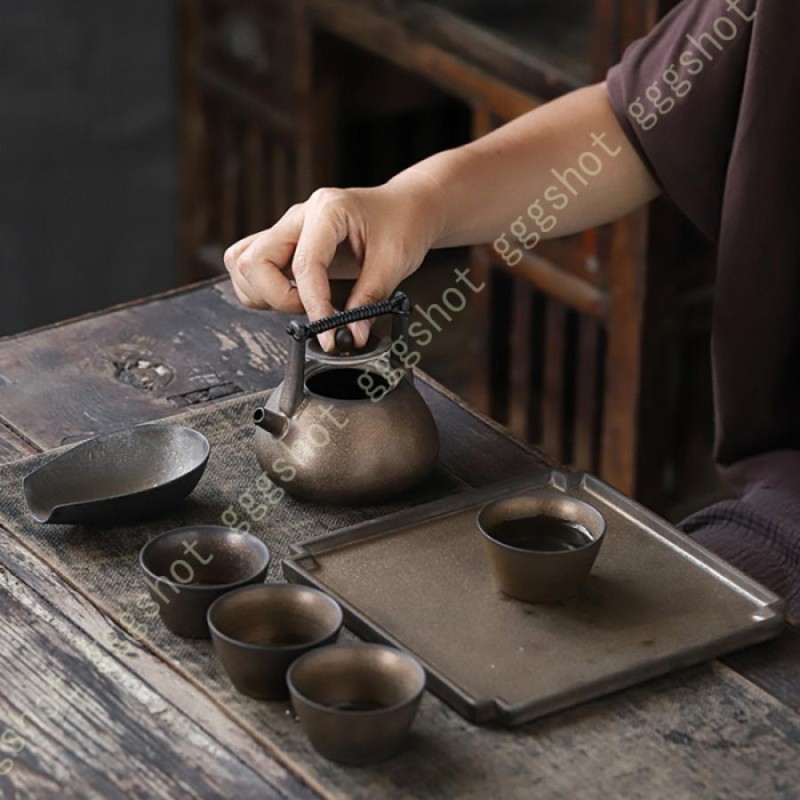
(347, 427)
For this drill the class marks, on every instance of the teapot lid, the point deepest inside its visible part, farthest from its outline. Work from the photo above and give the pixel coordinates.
(345, 351)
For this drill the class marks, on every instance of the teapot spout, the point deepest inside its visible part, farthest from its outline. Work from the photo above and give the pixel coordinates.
(270, 421)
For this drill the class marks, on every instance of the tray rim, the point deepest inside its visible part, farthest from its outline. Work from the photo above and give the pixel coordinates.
(767, 618)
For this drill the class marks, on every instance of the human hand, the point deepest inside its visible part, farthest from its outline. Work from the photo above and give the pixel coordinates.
(385, 231)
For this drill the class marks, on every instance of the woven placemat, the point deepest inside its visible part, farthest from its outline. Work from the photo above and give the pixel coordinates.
(447, 757)
(102, 562)
(233, 491)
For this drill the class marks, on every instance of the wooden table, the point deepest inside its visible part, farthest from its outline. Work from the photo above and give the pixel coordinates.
(714, 730)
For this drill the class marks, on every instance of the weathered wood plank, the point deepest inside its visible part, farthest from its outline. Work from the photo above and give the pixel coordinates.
(210, 347)
(702, 732)
(475, 453)
(12, 445)
(774, 666)
(632, 744)
(136, 363)
(81, 717)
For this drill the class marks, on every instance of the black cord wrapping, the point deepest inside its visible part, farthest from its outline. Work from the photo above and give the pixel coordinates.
(397, 304)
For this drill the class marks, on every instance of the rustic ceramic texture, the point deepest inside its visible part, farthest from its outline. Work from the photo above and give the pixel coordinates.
(536, 576)
(655, 601)
(356, 702)
(187, 569)
(258, 631)
(341, 432)
(118, 477)
(665, 738)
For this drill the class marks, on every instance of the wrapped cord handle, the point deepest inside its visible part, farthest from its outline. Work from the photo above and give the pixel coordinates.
(397, 304)
(292, 391)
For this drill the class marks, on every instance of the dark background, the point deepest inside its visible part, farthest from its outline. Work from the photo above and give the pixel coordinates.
(87, 156)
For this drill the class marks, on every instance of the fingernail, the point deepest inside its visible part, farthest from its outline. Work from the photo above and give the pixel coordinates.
(326, 341)
(360, 331)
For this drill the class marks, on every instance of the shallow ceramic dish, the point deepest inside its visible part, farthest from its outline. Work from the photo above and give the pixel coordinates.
(118, 477)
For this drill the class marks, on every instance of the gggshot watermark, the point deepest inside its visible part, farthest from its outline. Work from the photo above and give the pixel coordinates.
(703, 49)
(254, 505)
(540, 217)
(383, 375)
(21, 729)
(142, 613)
(181, 572)
(375, 380)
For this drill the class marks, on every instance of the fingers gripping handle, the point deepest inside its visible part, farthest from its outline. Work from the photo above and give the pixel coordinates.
(399, 306)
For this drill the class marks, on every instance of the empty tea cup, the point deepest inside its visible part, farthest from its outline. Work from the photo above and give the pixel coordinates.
(356, 702)
(187, 569)
(258, 631)
(541, 546)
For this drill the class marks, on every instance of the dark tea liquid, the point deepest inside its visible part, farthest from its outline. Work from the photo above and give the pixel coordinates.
(544, 534)
(364, 705)
(281, 640)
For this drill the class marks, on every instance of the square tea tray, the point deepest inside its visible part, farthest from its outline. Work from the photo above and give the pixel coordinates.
(656, 601)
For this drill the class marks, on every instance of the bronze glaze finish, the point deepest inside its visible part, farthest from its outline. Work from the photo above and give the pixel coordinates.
(655, 601)
(356, 702)
(118, 477)
(187, 569)
(341, 431)
(540, 576)
(258, 631)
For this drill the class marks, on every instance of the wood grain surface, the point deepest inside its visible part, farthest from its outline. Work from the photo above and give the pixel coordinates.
(113, 724)
(84, 717)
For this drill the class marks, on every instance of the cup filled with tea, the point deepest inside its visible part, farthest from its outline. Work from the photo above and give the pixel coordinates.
(541, 545)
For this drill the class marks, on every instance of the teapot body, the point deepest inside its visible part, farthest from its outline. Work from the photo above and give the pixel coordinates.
(345, 443)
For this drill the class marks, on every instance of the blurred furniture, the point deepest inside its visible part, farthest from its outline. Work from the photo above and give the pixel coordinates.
(571, 351)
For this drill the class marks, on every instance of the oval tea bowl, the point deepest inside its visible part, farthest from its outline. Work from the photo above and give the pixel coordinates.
(118, 477)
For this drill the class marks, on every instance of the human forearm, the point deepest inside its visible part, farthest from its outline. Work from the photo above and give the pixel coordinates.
(570, 155)
(559, 169)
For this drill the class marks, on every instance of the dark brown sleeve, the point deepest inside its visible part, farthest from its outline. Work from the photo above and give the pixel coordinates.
(677, 93)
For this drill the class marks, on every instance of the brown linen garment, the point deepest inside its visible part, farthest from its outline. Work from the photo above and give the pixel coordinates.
(710, 100)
